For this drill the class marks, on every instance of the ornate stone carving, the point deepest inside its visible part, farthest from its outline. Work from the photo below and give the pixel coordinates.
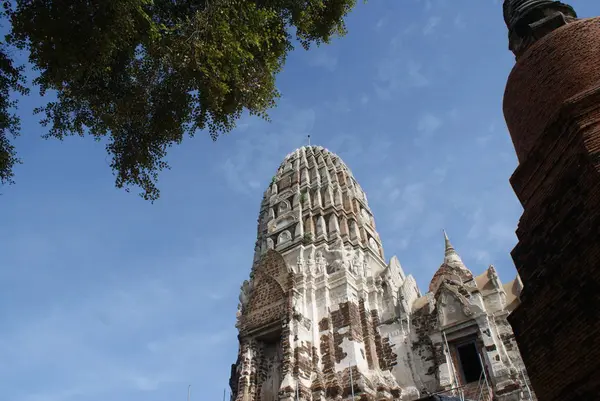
(337, 265)
(365, 268)
(311, 265)
(321, 262)
(300, 264)
(244, 297)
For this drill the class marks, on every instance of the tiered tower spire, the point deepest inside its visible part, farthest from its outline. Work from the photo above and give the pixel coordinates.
(452, 267)
(319, 284)
(315, 207)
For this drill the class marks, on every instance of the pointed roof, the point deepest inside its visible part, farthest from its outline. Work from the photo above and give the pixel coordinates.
(452, 267)
(451, 257)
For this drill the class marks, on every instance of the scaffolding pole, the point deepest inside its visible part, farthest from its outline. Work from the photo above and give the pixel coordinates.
(456, 383)
(487, 384)
(526, 384)
(351, 381)
(480, 387)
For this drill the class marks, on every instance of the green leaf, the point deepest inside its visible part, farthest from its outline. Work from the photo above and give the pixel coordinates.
(147, 73)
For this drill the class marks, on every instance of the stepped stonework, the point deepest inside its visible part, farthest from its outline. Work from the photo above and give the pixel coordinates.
(323, 316)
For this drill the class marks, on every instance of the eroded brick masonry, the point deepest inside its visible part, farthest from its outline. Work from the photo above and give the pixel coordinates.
(552, 110)
(323, 315)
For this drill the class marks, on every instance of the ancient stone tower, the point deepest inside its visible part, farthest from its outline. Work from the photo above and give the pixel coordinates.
(323, 316)
(552, 110)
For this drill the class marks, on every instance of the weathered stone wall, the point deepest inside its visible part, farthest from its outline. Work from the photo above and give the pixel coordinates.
(423, 324)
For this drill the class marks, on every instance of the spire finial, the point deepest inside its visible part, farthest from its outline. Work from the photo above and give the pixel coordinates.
(516, 11)
(449, 249)
(522, 17)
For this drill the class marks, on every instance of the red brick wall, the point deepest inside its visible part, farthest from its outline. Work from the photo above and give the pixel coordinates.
(557, 67)
(557, 325)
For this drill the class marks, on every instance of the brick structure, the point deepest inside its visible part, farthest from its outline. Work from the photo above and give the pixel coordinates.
(323, 315)
(552, 110)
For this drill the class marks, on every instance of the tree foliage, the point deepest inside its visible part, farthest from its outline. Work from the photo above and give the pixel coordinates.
(146, 73)
(11, 80)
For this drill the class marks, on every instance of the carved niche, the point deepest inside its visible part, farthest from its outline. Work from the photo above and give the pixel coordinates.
(373, 245)
(284, 207)
(284, 237)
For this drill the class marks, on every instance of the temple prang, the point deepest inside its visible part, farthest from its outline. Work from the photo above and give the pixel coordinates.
(322, 307)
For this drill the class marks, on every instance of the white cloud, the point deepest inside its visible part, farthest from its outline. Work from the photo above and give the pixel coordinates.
(417, 78)
(427, 125)
(321, 56)
(96, 346)
(483, 140)
(481, 256)
(427, 4)
(340, 105)
(255, 156)
(408, 201)
(431, 25)
(394, 73)
(440, 173)
(459, 22)
(502, 232)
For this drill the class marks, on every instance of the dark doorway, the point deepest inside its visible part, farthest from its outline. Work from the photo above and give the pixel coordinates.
(470, 365)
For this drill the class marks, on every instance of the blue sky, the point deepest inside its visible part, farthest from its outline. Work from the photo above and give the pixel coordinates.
(106, 296)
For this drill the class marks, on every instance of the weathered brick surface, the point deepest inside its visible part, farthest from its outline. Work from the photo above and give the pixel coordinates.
(378, 342)
(269, 300)
(446, 270)
(368, 334)
(347, 316)
(328, 356)
(424, 324)
(555, 126)
(554, 69)
(385, 349)
(303, 356)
